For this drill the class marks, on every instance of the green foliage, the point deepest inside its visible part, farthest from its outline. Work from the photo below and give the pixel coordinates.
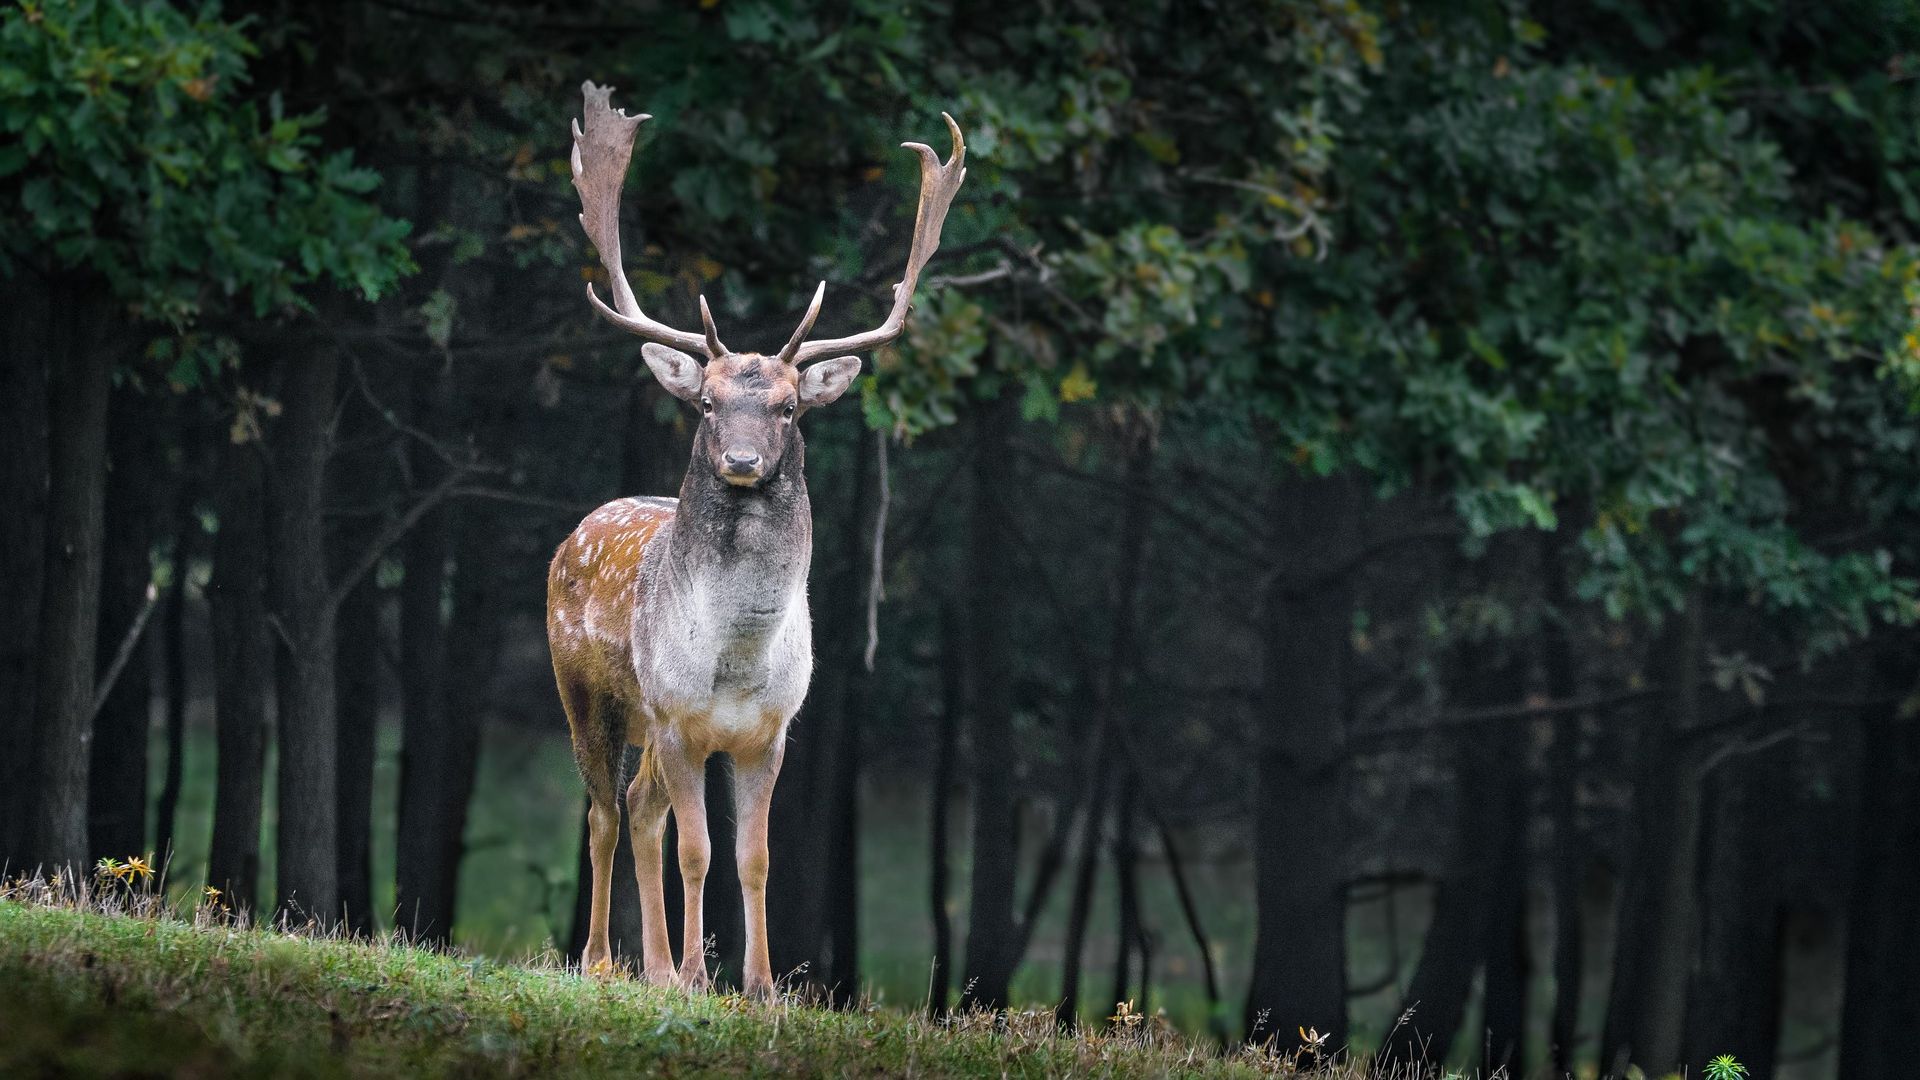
(1724, 1067)
(135, 153)
(1446, 250)
(1513, 255)
(1561, 293)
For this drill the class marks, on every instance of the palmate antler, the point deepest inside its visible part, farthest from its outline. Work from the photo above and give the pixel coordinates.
(600, 156)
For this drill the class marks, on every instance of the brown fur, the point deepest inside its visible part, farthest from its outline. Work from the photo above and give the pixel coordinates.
(591, 581)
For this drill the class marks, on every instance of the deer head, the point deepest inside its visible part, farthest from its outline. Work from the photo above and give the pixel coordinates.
(748, 402)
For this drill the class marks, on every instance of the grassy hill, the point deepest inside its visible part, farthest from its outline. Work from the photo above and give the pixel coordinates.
(88, 991)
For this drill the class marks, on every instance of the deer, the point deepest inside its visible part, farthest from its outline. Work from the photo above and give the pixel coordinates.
(680, 625)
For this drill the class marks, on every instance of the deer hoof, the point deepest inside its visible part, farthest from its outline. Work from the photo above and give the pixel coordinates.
(695, 982)
(658, 976)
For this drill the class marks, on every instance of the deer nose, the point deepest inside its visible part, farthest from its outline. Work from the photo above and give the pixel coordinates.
(741, 461)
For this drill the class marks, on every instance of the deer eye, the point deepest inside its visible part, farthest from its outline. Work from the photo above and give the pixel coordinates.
(788, 411)
(706, 405)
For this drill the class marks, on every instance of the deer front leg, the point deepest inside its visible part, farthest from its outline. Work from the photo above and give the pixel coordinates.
(752, 797)
(686, 777)
(647, 804)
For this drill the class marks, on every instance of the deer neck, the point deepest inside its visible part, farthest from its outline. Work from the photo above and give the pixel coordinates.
(744, 552)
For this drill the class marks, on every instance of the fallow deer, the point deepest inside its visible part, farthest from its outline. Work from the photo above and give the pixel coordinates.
(681, 626)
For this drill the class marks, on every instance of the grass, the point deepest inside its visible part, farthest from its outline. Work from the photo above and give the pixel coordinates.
(102, 987)
(517, 882)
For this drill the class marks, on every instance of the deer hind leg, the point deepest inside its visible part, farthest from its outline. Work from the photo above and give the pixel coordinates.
(685, 773)
(599, 761)
(753, 781)
(647, 803)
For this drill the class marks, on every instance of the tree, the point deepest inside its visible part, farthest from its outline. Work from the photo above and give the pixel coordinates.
(144, 186)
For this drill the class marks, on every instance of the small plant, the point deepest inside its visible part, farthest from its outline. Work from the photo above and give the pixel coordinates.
(1725, 1067)
(135, 870)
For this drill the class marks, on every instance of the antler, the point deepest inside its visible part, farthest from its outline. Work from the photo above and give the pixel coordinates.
(600, 156)
(938, 185)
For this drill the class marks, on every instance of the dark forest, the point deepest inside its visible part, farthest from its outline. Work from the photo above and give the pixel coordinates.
(1390, 529)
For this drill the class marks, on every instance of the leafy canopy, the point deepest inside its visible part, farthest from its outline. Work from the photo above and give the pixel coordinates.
(132, 151)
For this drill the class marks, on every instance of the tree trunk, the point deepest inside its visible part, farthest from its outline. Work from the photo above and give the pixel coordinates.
(1123, 661)
(1299, 961)
(473, 637)
(117, 799)
(1507, 964)
(188, 538)
(1734, 1003)
(1878, 1032)
(813, 836)
(357, 657)
(423, 898)
(842, 870)
(1653, 950)
(991, 932)
(722, 914)
(296, 530)
(1569, 845)
(359, 477)
(243, 673)
(78, 382)
(442, 786)
(1080, 904)
(1126, 886)
(952, 694)
(24, 344)
(843, 854)
(1479, 909)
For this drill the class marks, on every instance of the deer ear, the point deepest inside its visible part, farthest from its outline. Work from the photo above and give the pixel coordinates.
(677, 371)
(824, 382)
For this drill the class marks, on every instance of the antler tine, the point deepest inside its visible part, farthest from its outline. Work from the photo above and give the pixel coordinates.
(715, 350)
(601, 151)
(806, 325)
(938, 185)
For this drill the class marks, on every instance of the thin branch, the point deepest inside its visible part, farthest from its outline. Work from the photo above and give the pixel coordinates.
(1365, 741)
(1743, 747)
(124, 653)
(518, 499)
(966, 281)
(1217, 541)
(469, 462)
(391, 535)
(908, 537)
(876, 585)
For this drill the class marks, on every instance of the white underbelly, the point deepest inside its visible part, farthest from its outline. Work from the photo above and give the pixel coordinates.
(734, 714)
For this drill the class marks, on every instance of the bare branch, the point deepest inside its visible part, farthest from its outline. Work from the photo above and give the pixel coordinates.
(391, 535)
(1367, 741)
(967, 281)
(124, 653)
(440, 450)
(876, 584)
(518, 499)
